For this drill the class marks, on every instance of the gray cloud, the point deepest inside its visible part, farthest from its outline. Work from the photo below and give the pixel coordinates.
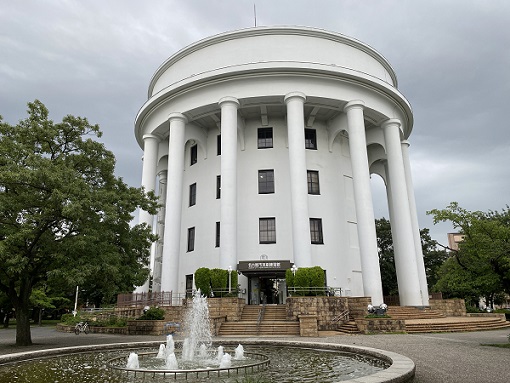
(96, 58)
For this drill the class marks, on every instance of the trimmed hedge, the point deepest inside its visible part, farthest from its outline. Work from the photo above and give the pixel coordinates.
(203, 280)
(215, 281)
(309, 281)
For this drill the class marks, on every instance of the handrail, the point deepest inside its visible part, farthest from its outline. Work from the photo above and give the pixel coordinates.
(344, 314)
(261, 314)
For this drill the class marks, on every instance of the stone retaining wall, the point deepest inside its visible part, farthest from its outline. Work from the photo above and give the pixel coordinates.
(327, 310)
(449, 307)
(380, 325)
(231, 308)
(146, 327)
(94, 329)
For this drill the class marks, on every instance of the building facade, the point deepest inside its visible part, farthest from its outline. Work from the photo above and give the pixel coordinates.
(261, 143)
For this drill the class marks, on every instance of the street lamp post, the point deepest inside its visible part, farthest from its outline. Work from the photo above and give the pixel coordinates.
(229, 279)
(294, 268)
(76, 303)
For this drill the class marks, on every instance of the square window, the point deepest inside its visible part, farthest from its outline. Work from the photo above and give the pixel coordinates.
(267, 230)
(218, 187)
(310, 139)
(217, 234)
(313, 181)
(218, 145)
(316, 231)
(265, 138)
(192, 194)
(193, 155)
(191, 239)
(266, 181)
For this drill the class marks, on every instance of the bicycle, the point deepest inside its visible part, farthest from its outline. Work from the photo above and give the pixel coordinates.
(81, 327)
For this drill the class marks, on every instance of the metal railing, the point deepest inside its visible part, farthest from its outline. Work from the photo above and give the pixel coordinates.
(140, 300)
(343, 316)
(262, 311)
(261, 362)
(293, 291)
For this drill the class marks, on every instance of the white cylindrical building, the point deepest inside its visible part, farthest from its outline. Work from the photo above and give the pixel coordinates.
(266, 138)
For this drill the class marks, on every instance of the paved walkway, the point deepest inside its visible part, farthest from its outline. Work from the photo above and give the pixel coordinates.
(439, 357)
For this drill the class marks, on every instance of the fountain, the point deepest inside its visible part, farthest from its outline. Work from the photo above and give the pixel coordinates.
(196, 353)
(195, 359)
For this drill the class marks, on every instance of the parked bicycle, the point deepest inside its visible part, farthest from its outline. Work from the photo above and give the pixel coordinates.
(81, 327)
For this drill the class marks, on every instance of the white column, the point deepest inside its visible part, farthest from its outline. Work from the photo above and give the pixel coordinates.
(367, 237)
(173, 210)
(301, 239)
(405, 253)
(150, 158)
(228, 203)
(160, 231)
(416, 228)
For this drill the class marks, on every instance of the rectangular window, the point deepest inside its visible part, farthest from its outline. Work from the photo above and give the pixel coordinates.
(316, 231)
(313, 182)
(193, 155)
(217, 234)
(310, 139)
(218, 187)
(218, 145)
(265, 138)
(266, 181)
(192, 194)
(191, 239)
(267, 230)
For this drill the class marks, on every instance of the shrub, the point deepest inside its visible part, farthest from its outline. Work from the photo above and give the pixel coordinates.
(70, 319)
(219, 279)
(306, 278)
(154, 313)
(203, 280)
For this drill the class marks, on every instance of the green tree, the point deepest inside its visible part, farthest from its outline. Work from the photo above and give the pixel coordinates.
(481, 266)
(64, 216)
(433, 257)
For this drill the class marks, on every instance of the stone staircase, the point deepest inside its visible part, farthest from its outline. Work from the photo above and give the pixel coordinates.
(348, 328)
(456, 324)
(274, 322)
(424, 320)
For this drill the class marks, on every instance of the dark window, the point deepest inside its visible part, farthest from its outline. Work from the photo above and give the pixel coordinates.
(193, 155)
(217, 234)
(265, 138)
(266, 181)
(313, 182)
(310, 139)
(218, 187)
(191, 239)
(192, 194)
(218, 145)
(316, 230)
(267, 230)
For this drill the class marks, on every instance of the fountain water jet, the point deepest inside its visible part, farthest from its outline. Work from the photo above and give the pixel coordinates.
(239, 353)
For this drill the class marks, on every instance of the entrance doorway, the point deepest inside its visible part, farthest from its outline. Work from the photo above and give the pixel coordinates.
(269, 290)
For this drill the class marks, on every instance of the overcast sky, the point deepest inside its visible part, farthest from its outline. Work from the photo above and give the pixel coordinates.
(95, 58)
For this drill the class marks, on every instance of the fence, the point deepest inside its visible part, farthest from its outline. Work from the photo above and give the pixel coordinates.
(140, 300)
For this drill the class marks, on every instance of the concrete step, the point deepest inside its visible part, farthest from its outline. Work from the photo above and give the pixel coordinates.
(406, 312)
(457, 325)
(348, 328)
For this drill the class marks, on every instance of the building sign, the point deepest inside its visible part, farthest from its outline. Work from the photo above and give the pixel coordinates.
(265, 265)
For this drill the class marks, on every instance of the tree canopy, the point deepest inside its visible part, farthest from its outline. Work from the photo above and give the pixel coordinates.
(64, 216)
(481, 265)
(433, 257)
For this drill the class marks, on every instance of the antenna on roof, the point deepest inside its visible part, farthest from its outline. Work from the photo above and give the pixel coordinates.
(255, 14)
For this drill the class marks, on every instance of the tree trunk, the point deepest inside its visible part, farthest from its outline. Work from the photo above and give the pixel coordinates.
(23, 335)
